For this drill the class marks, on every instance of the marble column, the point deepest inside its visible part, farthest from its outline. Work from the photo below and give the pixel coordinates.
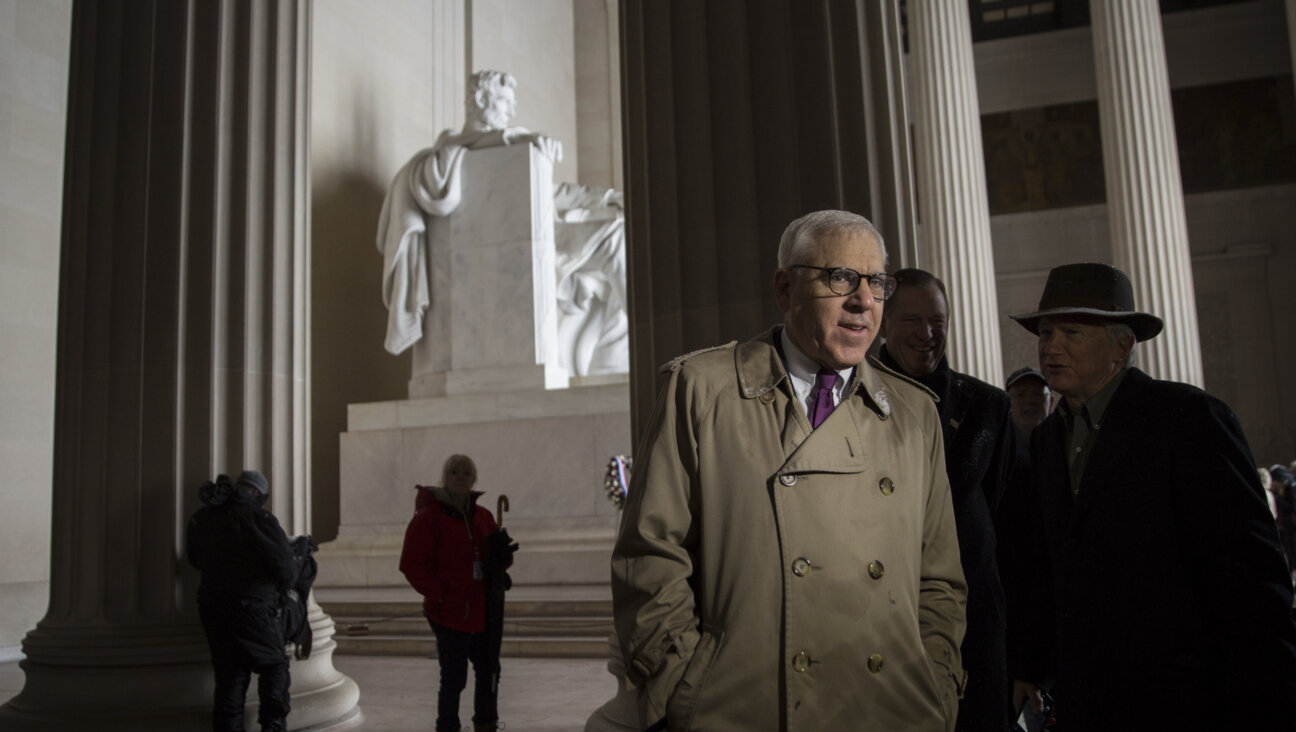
(451, 47)
(954, 210)
(182, 349)
(738, 118)
(1145, 207)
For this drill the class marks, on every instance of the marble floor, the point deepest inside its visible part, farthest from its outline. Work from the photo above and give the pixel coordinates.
(398, 694)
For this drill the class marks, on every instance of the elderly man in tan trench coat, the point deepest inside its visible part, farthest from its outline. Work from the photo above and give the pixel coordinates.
(788, 558)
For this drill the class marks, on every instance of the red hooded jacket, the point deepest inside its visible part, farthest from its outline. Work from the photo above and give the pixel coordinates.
(437, 559)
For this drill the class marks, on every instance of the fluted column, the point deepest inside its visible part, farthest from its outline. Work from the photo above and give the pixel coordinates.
(182, 349)
(954, 235)
(740, 117)
(450, 50)
(1145, 208)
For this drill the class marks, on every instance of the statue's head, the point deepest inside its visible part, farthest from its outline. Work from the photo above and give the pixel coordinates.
(491, 99)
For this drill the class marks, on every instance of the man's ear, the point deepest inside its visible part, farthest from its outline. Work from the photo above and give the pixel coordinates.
(1127, 343)
(783, 288)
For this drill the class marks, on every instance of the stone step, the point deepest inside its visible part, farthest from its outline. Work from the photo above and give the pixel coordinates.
(425, 645)
(572, 621)
(524, 626)
(512, 608)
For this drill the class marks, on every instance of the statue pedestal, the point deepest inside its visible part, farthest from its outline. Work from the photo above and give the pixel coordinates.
(545, 450)
(492, 324)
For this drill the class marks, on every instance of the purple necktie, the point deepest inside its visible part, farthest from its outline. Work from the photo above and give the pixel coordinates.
(822, 405)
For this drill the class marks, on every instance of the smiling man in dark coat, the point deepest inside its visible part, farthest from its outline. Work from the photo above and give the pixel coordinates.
(978, 436)
(1172, 608)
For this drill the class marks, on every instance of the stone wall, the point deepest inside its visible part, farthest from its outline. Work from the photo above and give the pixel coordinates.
(34, 37)
(535, 42)
(375, 101)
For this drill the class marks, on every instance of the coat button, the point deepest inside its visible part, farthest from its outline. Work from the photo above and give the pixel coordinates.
(876, 570)
(788, 479)
(801, 566)
(875, 662)
(887, 486)
(801, 661)
(767, 397)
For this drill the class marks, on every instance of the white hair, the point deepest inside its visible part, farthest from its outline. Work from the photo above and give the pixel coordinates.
(801, 234)
(1117, 332)
(457, 461)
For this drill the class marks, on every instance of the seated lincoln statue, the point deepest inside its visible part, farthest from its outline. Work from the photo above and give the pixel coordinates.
(593, 326)
(430, 185)
(589, 240)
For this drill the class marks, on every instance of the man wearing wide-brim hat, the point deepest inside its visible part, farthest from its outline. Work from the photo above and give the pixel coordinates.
(1171, 599)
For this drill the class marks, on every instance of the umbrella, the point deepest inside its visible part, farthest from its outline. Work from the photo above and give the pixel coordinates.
(499, 555)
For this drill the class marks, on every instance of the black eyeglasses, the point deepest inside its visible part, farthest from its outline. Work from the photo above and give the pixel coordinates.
(844, 281)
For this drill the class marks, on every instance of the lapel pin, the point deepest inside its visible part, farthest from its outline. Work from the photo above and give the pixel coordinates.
(880, 397)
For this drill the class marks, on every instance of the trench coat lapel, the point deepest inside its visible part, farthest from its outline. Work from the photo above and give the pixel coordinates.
(834, 446)
(761, 376)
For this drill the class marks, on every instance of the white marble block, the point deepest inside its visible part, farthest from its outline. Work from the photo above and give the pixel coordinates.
(492, 323)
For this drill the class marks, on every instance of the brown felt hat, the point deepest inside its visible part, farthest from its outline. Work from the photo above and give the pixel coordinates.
(1094, 289)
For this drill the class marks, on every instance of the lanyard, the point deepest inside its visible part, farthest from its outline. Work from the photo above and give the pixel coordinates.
(468, 526)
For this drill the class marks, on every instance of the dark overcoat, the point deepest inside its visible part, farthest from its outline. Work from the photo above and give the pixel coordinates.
(979, 453)
(1172, 602)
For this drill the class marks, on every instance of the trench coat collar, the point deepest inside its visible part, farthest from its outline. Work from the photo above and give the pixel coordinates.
(760, 370)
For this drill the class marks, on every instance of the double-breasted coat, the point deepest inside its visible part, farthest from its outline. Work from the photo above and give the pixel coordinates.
(1172, 603)
(770, 576)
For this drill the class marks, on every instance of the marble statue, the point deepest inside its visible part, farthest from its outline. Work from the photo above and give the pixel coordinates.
(589, 237)
(430, 185)
(593, 327)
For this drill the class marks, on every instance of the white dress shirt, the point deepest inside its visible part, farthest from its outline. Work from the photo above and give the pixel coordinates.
(803, 370)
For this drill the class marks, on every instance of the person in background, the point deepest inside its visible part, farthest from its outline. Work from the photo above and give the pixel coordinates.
(1266, 482)
(1284, 485)
(444, 557)
(247, 569)
(979, 455)
(1031, 402)
(1171, 603)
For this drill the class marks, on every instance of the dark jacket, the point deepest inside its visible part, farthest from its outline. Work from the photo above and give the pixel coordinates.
(979, 449)
(437, 559)
(1172, 600)
(241, 550)
(247, 568)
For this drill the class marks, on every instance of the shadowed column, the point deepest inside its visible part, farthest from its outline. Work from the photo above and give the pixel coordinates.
(181, 350)
(739, 118)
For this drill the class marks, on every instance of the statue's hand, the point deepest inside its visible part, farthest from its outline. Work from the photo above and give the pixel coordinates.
(548, 147)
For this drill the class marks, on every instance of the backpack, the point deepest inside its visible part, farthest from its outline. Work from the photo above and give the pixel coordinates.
(297, 628)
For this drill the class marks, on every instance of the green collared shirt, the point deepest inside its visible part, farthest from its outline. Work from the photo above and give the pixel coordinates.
(1082, 428)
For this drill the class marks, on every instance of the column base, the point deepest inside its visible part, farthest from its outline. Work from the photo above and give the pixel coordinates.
(113, 679)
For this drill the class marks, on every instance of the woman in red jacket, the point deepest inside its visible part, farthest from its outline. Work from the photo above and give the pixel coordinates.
(444, 558)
